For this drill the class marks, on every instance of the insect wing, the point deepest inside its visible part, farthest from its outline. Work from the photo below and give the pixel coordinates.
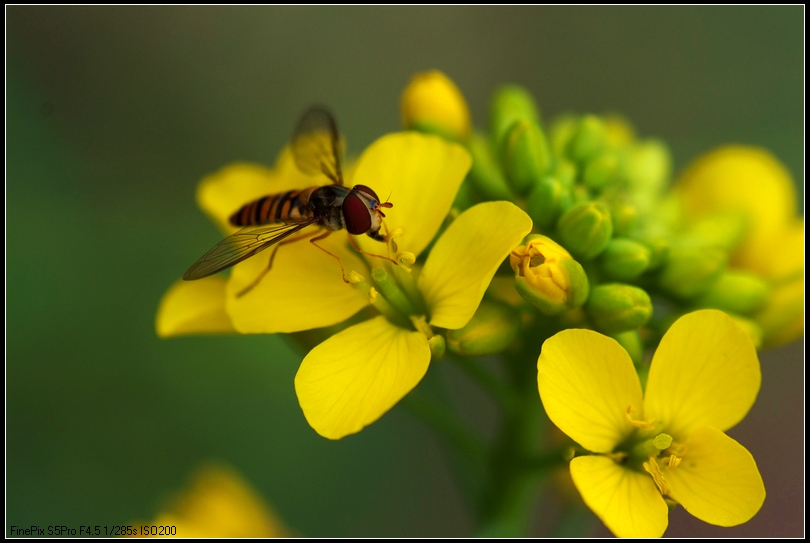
(243, 244)
(316, 145)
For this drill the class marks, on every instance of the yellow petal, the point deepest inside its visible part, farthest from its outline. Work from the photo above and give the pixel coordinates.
(747, 179)
(353, 378)
(465, 258)
(717, 480)
(219, 503)
(704, 373)
(225, 191)
(303, 290)
(194, 307)
(587, 382)
(422, 175)
(627, 501)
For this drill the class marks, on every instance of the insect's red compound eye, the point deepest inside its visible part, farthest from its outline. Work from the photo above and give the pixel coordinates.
(356, 214)
(367, 190)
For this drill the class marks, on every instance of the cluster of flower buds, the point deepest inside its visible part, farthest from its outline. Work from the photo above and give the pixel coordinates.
(613, 235)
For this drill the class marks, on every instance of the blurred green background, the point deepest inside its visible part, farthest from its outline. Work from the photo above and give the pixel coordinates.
(113, 116)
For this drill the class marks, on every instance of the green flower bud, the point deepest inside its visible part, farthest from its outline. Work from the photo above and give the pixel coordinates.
(648, 166)
(616, 308)
(736, 292)
(586, 229)
(619, 133)
(726, 229)
(509, 104)
(691, 270)
(437, 346)
(432, 103)
(588, 140)
(561, 132)
(491, 330)
(631, 341)
(525, 155)
(601, 170)
(624, 259)
(625, 218)
(579, 195)
(485, 173)
(658, 246)
(565, 171)
(782, 318)
(544, 203)
(547, 276)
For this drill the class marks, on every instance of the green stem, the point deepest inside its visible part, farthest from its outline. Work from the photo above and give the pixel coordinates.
(437, 417)
(489, 382)
(466, 451)
(513, 481)
(546, 461)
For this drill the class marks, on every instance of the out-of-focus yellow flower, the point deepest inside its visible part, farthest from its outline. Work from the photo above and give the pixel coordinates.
(433, 103)
(748, 180)
(218, 503)
(667, 442)
(752, 182)
(547, 276)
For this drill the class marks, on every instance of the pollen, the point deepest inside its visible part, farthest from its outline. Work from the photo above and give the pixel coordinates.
(672, 461)
(355, 277)
(653, 469)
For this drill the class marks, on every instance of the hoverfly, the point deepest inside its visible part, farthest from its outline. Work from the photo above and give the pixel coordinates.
(275, 218)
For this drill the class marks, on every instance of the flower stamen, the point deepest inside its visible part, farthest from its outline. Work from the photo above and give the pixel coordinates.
(672, 461)
(654, 469)
(640, 424)
(421, 324)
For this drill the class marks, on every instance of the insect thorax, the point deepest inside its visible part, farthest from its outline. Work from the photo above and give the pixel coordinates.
(327, 205)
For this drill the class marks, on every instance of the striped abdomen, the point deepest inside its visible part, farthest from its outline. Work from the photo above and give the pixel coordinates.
(290, 206)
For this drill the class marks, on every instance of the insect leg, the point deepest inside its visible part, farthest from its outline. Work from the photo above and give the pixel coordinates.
(359, 250)
(388, 240)
(323, 236)
(269, 264)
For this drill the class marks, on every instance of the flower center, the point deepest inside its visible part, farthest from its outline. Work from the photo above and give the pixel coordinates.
(392, 289)
(649, 449)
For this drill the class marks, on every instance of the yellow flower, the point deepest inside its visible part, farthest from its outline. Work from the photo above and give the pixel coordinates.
(547, 276)
(353, 378)
(742, 179)
(356, 376)
(305, 288)
(218, 503)
(433, 103)
(753, 183)
(667, 442)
